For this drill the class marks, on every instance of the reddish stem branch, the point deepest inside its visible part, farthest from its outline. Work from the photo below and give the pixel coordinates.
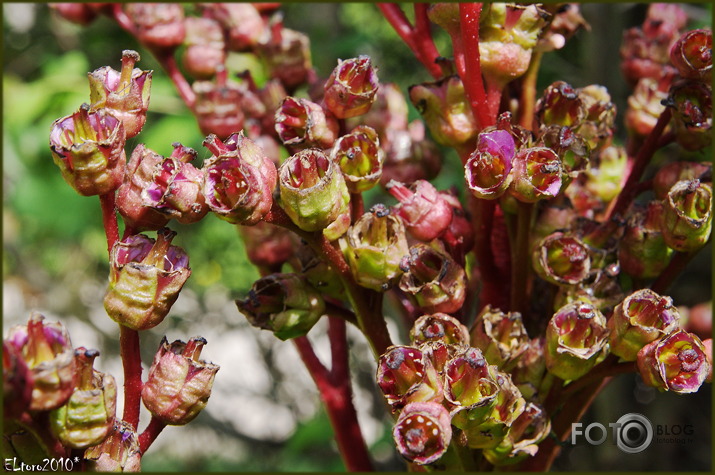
(150, 434)
(675, 267)
(131, 359)
(424, 41)
(419, 41)
(109, 219)
(339, 369)
(469, 14)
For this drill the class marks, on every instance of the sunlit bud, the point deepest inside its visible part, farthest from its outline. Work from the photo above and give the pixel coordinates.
(205, 47)
(158, 25)
(374, 247)
(530, 368)
(179, 383)
(302, 123)
(687, 216)
(692, 55)
(524, 437)
(536, 174)
(239, 179)
(145, 279)
(598, 125)
(79, 13)
(645, 106)
(124, 94)
(469, 384)
(287, 56)
(119, 452)
(16, 381)
(560, 105)
(88, 147)
(439, 327)
(405, 375)
(642, 251)
(312, 190)
(424, 211)
(241, 21)
(350, 89)
(501, 336)
(488, 168)
(642, 317)
(267, 245)
(603, 178)
(88, 416)
(693, 117)
(570, 147)
(47, 351)
(446, 111)
(423, 432)
(285, 304)
(562, 259)
(360, 158)
(677, 362)
(575, 337)
(218, 105)
(673, 172)
(433, 279)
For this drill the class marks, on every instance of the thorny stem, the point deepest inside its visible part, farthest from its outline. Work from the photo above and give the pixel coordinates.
(150, 434)
(520, 266)
(676, 265)
(418, 40)
(131, 359)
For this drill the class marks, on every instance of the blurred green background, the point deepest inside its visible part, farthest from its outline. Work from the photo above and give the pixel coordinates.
(54, 250)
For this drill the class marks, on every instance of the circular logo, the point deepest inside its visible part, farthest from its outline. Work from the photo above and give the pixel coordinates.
(635, 433)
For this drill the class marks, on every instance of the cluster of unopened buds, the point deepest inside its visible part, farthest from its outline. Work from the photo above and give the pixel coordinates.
(551, 211)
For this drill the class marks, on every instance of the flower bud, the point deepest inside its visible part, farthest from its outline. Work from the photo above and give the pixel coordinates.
(576, 336)
(410, 156)
(145, 279)
(598, 125)
(312, 190)
(176, 186)
(205, 47)
(603, 178)
(374, 247)
(388, 112)
(699, 320)
(469, 384)
(687, 217)
(424, 211)
(458, 238)
(536, 174)
(645, 106)
(218, 105)
(439, 327)
(89, 149)
(693, 117)
(88, 416)
(488, 431)
(119, 452)
(406, 375)
(501, 336)
(528, 373)
(158, 25)
(642, 251)
(673, 172)
(47, 352)
(241, 21)
(16, 381)
(566, 21)
(124, 94)
(423, 432)
(267, 245)
(239, 179)
(677, 362)
(692, 55)
(350, 89)
(300, 122)
(562, 259)
(287, 56)
(524, 437)
(560, 104)
(285, 304)
(179, 384)
(446, 111)
(488, 168)
(642, 317)
(360, 158)
(433, 279)
(79, 13)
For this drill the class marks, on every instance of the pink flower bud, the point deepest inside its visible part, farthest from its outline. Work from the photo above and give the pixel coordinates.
(242, 22)
(288, 58)
(145, 279)
(523, 438)
(119, 452)
(360, 158)
(677, 362)
(179, 384)
(470, 385)
(410, 156)
(560, 104)
(424, 211)
(423, 432)
(692, 55)
(501, 336)
(700, 320)
(488, 168)
(388, 112)
(562, 259)
(158, 25)
(406, 375)
(687, 217)
(439, 327)
(267, 245)
(350, 89)
(88, 147)
(302, 123)
(693, 116)
(642, 251)
(205, 47)
(79, 13)
(239, 179)
(218, 105)
(673, 172)
(645, 106)
(125, 93)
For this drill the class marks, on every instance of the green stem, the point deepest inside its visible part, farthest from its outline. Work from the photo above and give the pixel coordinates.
(527, 103)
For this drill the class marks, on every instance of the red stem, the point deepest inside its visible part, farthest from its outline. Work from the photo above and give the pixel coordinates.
(131, 359)
(423, 39)
(419, 41)
(109, 219)
(469, 14)
(150, 434)
(676, 265)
